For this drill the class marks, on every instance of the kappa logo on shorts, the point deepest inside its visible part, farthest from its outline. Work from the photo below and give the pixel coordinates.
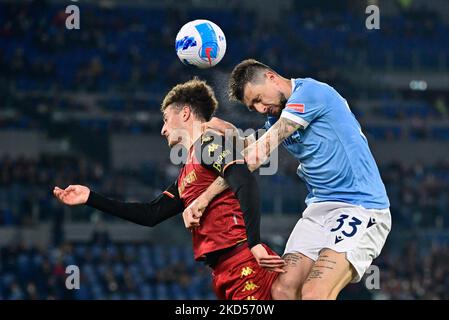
(246, 271)
(249, 285)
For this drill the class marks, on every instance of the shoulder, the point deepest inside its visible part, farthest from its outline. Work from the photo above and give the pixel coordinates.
(216, 152)
(212, 144)
(210, 139)
(308, 89)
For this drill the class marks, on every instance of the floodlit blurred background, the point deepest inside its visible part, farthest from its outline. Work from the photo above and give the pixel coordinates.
(81, 106)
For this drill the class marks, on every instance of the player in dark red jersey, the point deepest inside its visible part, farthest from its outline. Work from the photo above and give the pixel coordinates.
(228, 237)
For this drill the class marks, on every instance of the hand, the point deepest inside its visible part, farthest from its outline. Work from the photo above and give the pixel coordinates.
(252, 157)
(194, 211)
(219, 125)
(267, 261)
(72, 195)
(189, 221)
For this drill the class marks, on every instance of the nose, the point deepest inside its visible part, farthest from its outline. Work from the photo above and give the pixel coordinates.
(163, 130)
(261, 108)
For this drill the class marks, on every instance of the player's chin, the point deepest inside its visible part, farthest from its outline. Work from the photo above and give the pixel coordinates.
(275, 113)
(172, 143)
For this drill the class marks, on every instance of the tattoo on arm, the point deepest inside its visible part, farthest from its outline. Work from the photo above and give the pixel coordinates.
(259, 151)
(249, 140)
(220, 182)
(285, 127)
(217, 187)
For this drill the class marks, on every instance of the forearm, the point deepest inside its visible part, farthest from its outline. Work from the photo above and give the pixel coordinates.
(146, 214)
(216, 187)
(249, 140)
(259, 151)
(256, 154)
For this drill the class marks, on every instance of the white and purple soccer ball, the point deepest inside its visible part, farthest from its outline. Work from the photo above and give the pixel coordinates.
(200, 43)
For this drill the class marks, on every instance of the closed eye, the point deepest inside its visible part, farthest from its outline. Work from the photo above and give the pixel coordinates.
(255, 100)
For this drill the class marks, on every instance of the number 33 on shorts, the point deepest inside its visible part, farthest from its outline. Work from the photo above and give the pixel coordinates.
(346, 226)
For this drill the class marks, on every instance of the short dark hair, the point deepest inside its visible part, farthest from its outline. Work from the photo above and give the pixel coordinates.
(248, 70)
(195, 93)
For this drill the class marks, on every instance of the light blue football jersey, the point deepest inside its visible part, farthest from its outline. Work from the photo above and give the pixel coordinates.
(335, 161)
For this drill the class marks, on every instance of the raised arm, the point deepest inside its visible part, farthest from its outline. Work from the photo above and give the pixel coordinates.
(165, 206)
(258, 152)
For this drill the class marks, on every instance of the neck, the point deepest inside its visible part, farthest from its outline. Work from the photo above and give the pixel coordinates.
(286, 87)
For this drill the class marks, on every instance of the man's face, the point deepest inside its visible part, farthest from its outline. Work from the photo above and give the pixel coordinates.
(173, 128)
(265, 97)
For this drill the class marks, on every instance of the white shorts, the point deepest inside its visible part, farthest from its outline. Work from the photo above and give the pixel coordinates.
(342, 227)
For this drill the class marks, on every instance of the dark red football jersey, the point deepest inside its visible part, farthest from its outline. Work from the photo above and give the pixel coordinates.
(221, 225)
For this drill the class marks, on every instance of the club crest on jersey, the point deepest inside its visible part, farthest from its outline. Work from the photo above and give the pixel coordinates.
(298, 107)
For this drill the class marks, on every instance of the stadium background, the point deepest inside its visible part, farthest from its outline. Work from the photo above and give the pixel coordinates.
(82, 106)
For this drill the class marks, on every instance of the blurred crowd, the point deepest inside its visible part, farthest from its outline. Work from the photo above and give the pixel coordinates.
(26, 186)
(148, 271)
(121, 47)
(416, 272)
(107, 271)
(115, 69)
(419, 194)
(110, 76)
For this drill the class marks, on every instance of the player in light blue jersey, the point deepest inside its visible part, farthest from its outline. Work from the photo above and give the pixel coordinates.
(347, 219)
(334, 158)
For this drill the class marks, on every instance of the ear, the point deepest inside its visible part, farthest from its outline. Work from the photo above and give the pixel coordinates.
(271, 76)
(186, 113)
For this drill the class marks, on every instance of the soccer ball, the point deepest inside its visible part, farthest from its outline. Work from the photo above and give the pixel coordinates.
(200, 43)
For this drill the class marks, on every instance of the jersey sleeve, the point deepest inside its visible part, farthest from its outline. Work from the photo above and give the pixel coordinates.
(163, 207)
(218, 153)
(303, 108)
